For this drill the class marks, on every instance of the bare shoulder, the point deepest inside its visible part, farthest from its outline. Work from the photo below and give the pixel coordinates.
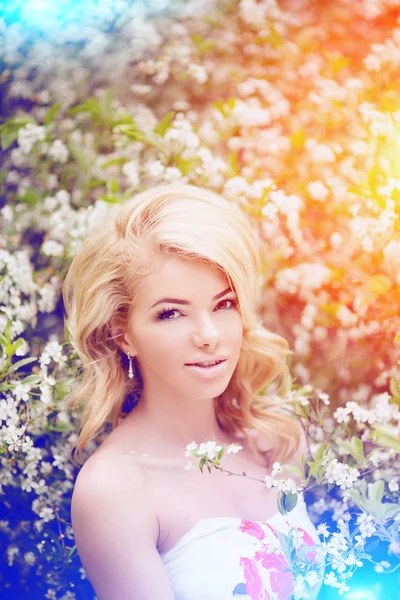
(108, 478)
(116, 529)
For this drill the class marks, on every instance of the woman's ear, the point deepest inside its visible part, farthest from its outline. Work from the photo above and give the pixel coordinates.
(120, 336)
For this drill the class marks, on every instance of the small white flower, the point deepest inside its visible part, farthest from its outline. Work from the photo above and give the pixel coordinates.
(269, 481)
(235, 447)
(312, 578)
(131, 171)
(343, 588)
(29, 135)
(318, 190)
(83, 573)
(7, 213)
(209, 449)
(52, 248)
(276, 468)
(393, 486)
(323, 529)
(59, 151)
(190, 447)
(324, 397)
(189, 465)
(331, 579)
(30, 558)
(303, 400)
(341, 415)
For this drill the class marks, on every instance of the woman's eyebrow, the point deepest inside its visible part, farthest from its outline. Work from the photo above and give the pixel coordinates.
(179, 301)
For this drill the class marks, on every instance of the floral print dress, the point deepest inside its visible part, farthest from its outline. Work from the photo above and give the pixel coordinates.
(227, 557)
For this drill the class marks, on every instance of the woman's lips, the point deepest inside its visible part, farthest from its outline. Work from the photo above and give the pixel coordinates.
(207, 372)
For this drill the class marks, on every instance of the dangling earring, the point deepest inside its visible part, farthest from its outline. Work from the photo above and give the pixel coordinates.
(130, 372)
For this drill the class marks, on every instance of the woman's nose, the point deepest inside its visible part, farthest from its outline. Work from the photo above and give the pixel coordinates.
(206, 333)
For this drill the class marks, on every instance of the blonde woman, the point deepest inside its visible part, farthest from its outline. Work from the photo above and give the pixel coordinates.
(160, 305)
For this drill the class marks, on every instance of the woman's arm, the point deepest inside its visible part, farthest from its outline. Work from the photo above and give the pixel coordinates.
(116, 532)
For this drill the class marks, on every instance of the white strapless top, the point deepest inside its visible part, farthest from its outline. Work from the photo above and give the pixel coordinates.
(227, 557)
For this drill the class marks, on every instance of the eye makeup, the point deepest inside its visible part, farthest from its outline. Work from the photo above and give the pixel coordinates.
(162, 315)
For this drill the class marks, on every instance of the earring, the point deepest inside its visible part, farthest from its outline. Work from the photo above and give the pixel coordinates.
(130, 372)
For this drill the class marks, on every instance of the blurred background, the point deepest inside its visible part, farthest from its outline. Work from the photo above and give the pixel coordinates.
(290, 109)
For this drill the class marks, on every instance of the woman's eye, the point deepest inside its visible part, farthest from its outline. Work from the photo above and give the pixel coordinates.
(231, 300)
(165, 314)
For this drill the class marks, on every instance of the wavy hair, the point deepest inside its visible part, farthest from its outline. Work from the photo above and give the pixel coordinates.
(101, 287)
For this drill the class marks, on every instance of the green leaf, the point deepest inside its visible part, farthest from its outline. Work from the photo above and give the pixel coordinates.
(8, 137)
(91, 106)
(359, 191)
(115, 161)
(66, 333)
(202, 44)
(315, 467)
(31, 379)
(286, 502)
(294, 470)
(375, 178)
(81, 157)
(9, 129)
(358, 445)
(186, 165)
(51, 114)
(166, 122)
(395, 387)
(112, 186)
(72, 551)
(225, 106)
(357, 499)
(111, 199)
(274, 37)
(93, 183)
(320, 453)
(132, 132)
(233, 161)
(376, 490)
(387, 437)
(3, 175)
(202, 463)
(61, 427)
(298, 138)
(105, 104)
(21, 363)
(355, 447)
(390, 510)
(30, 196)
(283, 541)
(7, 332)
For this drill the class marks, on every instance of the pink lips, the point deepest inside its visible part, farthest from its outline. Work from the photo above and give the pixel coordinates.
(196, 364)
(207, 372)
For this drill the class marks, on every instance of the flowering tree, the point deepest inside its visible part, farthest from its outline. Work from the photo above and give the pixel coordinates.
(290, 109)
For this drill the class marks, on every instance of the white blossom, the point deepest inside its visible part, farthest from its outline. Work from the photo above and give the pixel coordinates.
(234, 448)
(59, 151)
(29, 135)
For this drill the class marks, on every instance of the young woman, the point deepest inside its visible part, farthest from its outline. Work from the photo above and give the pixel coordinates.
(153, 297)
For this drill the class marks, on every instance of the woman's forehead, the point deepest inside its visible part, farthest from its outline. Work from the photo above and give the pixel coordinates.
(180, 275)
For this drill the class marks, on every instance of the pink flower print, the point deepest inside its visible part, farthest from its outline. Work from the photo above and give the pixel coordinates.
(254, 584)
(281, 579)
(252, 528)
(306, 537)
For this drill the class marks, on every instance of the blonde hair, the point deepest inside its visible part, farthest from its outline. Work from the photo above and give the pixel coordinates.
(101, 288)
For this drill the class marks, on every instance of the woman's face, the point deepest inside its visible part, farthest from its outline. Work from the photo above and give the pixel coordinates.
(166, 335)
